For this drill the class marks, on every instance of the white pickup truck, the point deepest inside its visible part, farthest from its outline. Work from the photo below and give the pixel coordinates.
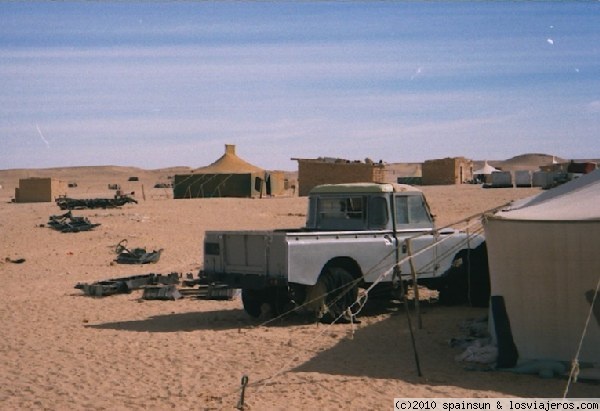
(355, 235)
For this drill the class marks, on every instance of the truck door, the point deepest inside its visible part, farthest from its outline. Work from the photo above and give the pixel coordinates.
(413, 220)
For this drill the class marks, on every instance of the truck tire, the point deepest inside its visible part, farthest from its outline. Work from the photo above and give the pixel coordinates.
(342, 292)
(276, 298)
(252, 301)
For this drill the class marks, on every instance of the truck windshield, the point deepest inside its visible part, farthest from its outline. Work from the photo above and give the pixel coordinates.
(411, 209)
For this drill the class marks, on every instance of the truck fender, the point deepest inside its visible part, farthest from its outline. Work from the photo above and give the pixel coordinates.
(336, 290)
(347, 263)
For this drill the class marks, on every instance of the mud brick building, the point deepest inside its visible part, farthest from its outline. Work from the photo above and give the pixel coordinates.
(312, 172)
(456, 170)
(39, 190)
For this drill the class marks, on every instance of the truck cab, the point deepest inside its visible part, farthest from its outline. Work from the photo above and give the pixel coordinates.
(363, 207)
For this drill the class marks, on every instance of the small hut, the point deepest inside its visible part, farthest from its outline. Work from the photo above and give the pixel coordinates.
(457, 170)
(313, 172)
(39, 190)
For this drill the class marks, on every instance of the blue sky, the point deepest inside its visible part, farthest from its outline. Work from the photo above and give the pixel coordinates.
(153, 84)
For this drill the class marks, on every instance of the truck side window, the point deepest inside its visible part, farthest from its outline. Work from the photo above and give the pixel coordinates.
(401, 210)
(378, 212)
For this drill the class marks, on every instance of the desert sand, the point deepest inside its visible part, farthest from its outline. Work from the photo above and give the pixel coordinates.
(62, 350)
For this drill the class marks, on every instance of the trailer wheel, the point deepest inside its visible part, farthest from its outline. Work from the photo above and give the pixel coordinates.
(342, 292)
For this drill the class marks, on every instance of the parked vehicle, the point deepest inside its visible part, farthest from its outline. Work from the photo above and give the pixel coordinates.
(354, 235)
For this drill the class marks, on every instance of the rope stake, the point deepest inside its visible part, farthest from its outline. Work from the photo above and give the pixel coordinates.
(240, 404)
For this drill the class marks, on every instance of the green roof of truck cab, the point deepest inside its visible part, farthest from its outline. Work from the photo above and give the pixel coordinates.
(363, 188)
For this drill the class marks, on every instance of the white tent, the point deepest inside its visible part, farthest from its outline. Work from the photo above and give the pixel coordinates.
(544, 258)
(485, 170)
(484, 174)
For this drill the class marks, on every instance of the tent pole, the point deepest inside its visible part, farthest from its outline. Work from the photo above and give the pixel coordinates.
(397, 275)
(413, 271)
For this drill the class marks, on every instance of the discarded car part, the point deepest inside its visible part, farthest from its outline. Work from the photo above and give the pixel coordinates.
(161, 292)
(191, 282)
(68, 223)
(119, 200)
(104, 288)
(124, 285)
(114, 186)
(15, 261)
(221, 292)
(138, 256)
(163, 185)
(210, 292)
(207, 290)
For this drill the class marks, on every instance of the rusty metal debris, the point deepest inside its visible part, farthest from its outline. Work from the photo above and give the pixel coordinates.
(119, 200)
(68, 223)
(161, 292)
(135, 255)
(125, 285)
(14, 261)
(159, 287)
(206, 289)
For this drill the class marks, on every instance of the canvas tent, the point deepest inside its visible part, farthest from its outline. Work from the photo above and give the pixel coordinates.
(545, 264)
(484, 174)
(229, 176)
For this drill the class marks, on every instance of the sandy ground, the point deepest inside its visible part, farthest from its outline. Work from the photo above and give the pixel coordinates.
(62, 350)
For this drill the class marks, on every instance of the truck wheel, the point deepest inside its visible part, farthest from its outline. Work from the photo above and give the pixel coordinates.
(252, 301)
(276, 298)
(342, 292)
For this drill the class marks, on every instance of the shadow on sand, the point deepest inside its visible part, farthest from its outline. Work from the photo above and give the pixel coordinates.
(384, 350)
(191, 321)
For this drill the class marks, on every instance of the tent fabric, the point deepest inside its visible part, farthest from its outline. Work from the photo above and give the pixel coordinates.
(544, 261)
(229, 163)
(485, 170)
(578, 199)
(545, 272)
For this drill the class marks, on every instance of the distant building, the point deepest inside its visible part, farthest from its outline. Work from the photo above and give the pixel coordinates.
(570, 167)
(456, 170)
(313, 172)
(39, 190)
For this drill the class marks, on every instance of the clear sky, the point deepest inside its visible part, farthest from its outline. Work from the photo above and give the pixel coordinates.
(153, 84)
